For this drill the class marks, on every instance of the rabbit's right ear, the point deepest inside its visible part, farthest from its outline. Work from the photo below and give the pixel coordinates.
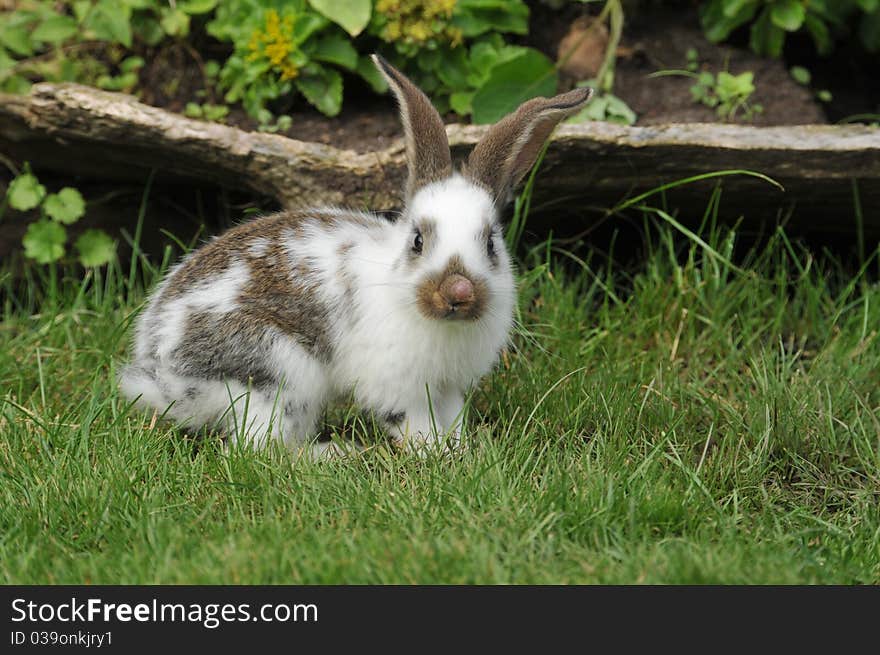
(427, 149)
(510, 147)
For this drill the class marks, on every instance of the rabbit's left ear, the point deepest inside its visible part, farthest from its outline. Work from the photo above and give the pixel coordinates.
(509, 149)
(427, 149)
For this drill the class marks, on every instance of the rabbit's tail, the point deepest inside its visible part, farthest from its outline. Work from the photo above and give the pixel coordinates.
(140, 383)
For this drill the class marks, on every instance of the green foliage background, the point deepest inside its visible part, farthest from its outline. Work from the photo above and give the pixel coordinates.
(466, 54)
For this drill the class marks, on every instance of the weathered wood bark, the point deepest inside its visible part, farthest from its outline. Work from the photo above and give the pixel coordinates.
(594, 165)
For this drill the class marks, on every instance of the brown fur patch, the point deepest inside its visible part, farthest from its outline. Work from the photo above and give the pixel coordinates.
(278, 296)
(224, 347)
(287, 300)
(432, 303)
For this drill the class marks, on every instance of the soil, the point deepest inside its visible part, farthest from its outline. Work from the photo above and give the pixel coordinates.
(662, 43)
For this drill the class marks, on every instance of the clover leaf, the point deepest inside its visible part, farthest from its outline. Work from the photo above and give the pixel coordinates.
(44, 241)
(25, 192)
(95, 248)
(66, 206)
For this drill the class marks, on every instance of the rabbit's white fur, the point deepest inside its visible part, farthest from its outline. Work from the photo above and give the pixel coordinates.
(255, 331)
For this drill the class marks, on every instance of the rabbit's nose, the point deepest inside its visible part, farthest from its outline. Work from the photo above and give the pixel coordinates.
(459, 290)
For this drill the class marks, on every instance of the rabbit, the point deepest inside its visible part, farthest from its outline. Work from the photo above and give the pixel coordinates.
(253, 332)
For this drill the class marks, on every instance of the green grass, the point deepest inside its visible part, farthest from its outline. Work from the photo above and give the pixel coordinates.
(687, 421)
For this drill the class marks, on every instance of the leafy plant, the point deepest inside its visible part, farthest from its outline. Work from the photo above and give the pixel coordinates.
(413, 26)
(456, 52)
(45, 239)
(514, 77)
(126, 79)
(605, 107)
(772, 20)
(279, 47)
(726, 93)
(86, 40)
(206, 111)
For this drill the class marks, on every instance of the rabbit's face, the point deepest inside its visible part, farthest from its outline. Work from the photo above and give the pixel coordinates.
(454, 255)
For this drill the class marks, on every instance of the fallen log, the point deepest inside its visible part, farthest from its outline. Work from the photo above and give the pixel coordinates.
(111, 136)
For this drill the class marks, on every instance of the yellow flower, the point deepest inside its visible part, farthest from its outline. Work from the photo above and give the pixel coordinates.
(288, 71)
(420, 31)
(276, 52)
(274, 42)
(416, 21)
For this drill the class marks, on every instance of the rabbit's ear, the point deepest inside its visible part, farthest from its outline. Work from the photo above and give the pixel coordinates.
(427, 149)
(509, 149)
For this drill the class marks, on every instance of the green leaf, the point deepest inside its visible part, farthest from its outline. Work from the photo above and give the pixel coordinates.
(351, 15)
(462, 102)
(733, 86)
(95, 248)
(175, 22)
(800, 75)
(766, 37)
(475, 17)
(44, 241)
(594, 111)
(6, 62)
(718, 25)
(512, 83)
(619, 112)
(788, 14)
(323, 89)
(733, 7)
(197, 6)
(869, 6)
(16, 84)
(869, 31)
(131, 64)
(821, 36)
(17, 39)
(367, 70)
(147, 29)
(336, 49)
(605, 107)
(55, 29)
(66, 206)
(81, 9)
(452, 69)
(428, 59)
(306, 25)
(215, 112)
(124, 82)
(193, 110)
(109, 21)
(25, 192)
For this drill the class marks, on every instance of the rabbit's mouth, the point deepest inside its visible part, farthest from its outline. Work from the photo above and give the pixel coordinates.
(453, 294)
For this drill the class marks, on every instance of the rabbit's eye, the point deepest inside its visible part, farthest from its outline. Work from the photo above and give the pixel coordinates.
(418, 243)
(490, 246)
